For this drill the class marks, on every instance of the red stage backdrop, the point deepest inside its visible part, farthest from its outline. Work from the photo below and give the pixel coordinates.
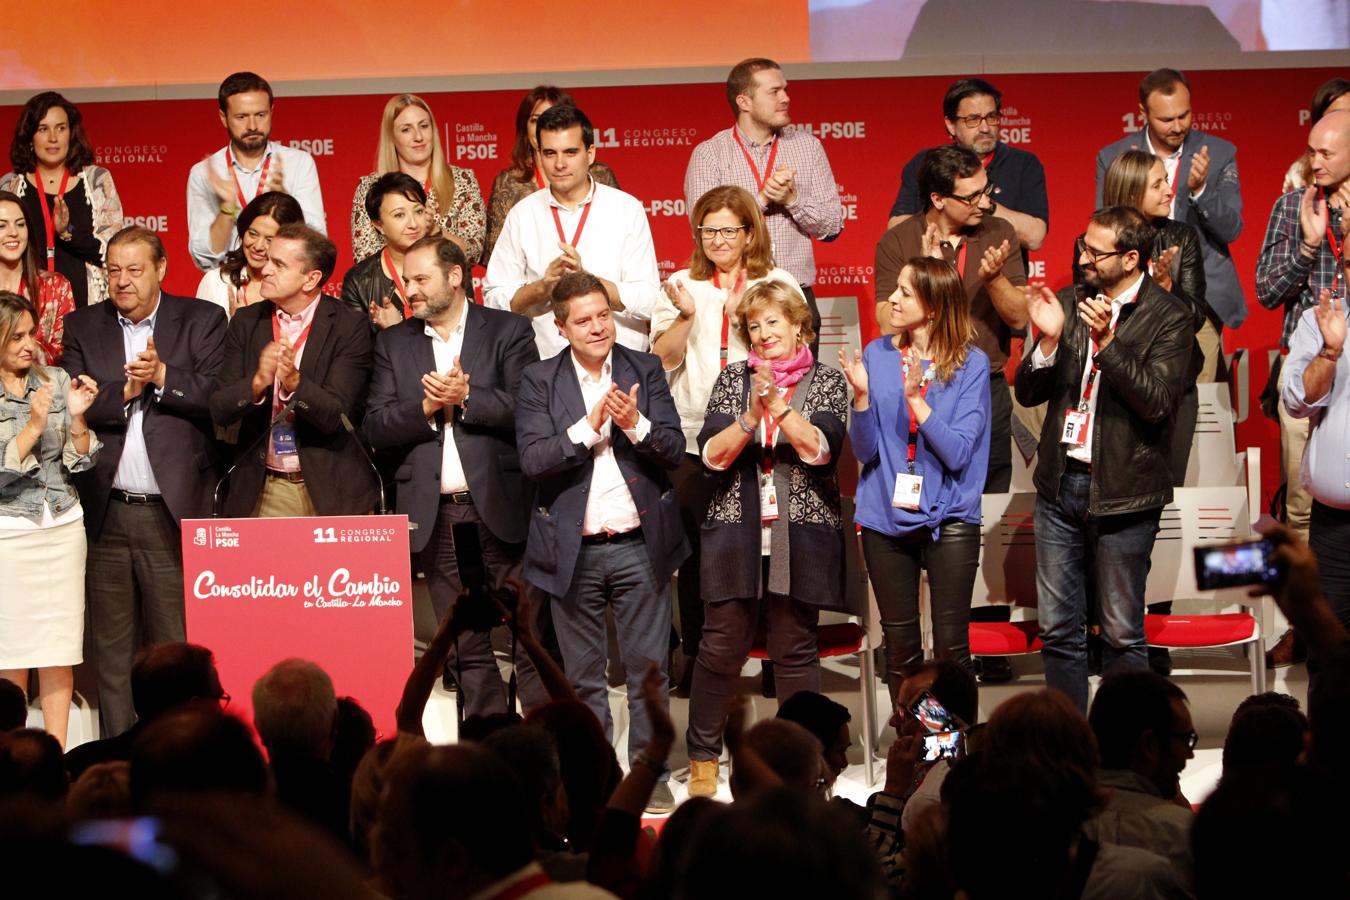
(335, 590)
(870, 127)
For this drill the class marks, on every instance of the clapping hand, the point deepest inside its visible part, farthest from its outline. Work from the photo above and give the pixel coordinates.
(83, 393)
(781, 186)
(991, 264)
(855, 372)
(762, 388)
(1313, 217)
(734, 294)
(1330, 315)
(679, 295)
(60, 216)
(147, 368)
(287, 371)
(1195, 179)
(1096, 315)
(1045, 312)
(276, 177)
(384, 314)
(1161, 269)
(220, 184)
(38, 406)
(913, 374)
(932, 243)
(622, 407)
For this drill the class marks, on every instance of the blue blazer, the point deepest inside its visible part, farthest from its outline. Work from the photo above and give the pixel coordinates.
(550, 402)
(497, 348)
(1217, 215)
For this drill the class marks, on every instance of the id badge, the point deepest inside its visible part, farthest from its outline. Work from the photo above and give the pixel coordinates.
(283, 440)
(1076, 424)
(768, 498)
(908, 488)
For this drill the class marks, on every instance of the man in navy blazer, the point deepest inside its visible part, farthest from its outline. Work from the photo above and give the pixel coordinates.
(598, 433)
(310, 352)
(155, 357)
(1203, 170)
(443, 401)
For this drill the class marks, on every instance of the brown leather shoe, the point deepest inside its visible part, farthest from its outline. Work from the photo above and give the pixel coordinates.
(703, 777)
(1289, 650)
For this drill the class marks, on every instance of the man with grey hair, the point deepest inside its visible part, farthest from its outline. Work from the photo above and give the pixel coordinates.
(295, 712)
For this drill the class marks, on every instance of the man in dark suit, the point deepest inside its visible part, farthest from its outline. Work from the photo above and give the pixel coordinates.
(1202, 169)
(443, 399)
(294, 366)
(156, 357)
(598, 432)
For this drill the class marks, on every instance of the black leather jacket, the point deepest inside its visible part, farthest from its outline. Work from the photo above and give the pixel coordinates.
(1187, 269)
(365, 283)
(1143, 375)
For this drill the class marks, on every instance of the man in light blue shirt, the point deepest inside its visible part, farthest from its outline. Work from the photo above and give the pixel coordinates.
(1317, 387)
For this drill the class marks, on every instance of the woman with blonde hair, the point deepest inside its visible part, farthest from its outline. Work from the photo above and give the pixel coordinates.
(410, 143)
(920, 429)
(693, 333)
(772, 532)
(44, 439)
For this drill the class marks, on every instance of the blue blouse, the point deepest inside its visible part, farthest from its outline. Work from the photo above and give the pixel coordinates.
(952, 451)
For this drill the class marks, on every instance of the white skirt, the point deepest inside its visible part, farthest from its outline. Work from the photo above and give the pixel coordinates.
(42, 596)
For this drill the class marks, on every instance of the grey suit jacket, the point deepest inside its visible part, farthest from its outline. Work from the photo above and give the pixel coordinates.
(1217, 214)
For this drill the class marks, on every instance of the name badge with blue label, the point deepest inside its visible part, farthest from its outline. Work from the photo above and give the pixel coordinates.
(283, 439)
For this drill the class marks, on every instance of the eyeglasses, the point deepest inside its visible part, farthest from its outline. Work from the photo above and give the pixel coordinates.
(1190, 737)
(973, 198)
(728, 232)
(1096, 255)
(990, 119)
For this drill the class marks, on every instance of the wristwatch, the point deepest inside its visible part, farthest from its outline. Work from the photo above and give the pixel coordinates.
(1333, 355)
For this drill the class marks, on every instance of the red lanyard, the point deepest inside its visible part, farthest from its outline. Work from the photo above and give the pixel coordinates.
(581, 225)
(984, 160)
(1337, 248)
(262, 177)
(539, 178)
(768, 168)
(299, 342)
(398, 283)
(961, 259)
(523, 887)
(726, 322)
(771, 429)
(924, 384)
(47, 214)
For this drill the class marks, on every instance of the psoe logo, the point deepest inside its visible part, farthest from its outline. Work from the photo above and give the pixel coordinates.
(314, 146)
(199, 539)
(1014, 128)
(847, 131)
(157, 224)
(849, 202)
(667, 208)
(223, 536)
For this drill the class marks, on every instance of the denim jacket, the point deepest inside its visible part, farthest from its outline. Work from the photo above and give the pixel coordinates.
(44, 474)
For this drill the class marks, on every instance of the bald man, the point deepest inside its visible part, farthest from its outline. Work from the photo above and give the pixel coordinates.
(1302, 254)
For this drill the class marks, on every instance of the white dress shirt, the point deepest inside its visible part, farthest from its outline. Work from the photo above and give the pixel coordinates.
(453, 479)
(299, 175)
(134, 472)
(609, 508)
(616, 244)
(1171, 162)
(1083, 452)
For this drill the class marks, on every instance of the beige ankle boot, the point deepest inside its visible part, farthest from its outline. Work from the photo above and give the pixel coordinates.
(702, 777)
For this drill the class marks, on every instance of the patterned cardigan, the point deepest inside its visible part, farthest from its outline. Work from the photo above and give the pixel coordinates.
(731, 565)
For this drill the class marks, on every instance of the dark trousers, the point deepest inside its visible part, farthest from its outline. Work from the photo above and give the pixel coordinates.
(1114, 553)
(729, 628)
(694, 488)
(894, 564)
(471, 661)
(999, 477)
(616, 575)
(1329, 539)
(134, 590)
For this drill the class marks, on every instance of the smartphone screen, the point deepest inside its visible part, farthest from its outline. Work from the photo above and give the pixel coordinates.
(931, 713)
(943, 745)
(137, 838)
(1232, 565)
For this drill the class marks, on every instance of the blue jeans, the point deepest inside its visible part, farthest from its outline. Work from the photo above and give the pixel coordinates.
(1114, 552)
(617, 575)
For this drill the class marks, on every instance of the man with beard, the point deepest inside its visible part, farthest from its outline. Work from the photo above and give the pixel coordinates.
(1110, 361)
(222, 184)
(443, 397)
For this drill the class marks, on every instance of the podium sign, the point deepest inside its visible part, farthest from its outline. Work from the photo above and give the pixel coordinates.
(336, 590)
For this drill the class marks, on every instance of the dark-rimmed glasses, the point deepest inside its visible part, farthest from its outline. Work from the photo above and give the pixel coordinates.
(974, 197)
(990, 119)
(1096, 256)
(728, 232)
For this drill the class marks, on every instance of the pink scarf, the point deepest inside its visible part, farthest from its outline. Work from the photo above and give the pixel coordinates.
(787, 371)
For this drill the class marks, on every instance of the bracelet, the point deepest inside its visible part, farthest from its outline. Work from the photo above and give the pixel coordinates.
(229, 209)
(745, 426)
(1332, 355)
(1313, 249)
(649, 762)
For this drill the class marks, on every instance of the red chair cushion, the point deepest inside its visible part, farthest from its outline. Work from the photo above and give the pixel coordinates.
(842, 639)
(1004, 638)
(1199, 631)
